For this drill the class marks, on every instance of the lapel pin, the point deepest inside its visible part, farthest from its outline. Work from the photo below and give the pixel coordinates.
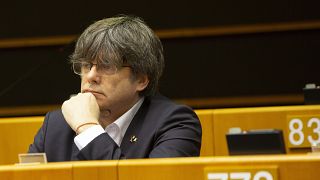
(133, 139)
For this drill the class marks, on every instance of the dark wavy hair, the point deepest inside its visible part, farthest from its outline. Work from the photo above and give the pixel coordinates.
(123, 40)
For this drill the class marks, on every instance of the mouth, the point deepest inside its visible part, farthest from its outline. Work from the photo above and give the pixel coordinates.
(92, 92)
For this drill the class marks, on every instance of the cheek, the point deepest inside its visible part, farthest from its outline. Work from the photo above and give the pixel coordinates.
(119, 89)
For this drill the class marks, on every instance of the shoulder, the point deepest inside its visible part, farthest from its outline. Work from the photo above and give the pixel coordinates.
(56, 114)
(168, 117)
(162, 101)
(55, 117)
(164, 107)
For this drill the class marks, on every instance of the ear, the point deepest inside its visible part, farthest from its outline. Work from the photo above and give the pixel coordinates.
(142, 82)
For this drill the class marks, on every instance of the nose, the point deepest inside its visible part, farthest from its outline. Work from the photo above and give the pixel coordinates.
(93, 76)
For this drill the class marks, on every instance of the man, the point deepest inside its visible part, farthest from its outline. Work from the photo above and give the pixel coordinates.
(118, 114)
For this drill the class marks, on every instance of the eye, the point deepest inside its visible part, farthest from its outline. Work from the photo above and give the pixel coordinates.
(86, 65)
(105, 66)
(108, 68)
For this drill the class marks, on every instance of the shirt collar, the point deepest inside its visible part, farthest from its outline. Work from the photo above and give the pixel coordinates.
(124, 121)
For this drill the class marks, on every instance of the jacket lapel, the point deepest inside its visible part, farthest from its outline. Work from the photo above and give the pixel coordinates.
(133, 134)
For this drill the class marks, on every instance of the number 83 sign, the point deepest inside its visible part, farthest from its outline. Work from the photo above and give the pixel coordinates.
(303, 131)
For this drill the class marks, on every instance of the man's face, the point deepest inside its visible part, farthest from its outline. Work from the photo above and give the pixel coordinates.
(115, 93)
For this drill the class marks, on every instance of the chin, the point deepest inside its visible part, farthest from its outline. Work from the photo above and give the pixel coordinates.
(102, 105)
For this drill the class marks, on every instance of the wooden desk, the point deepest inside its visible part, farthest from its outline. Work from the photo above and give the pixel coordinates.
(278, 167)
(51, 171)
(95, 170)
(286, 167)
(78, 170)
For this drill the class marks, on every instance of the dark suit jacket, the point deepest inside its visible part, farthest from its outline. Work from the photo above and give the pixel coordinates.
(162, 129)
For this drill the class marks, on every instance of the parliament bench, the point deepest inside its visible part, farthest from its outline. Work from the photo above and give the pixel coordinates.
(300, 125)
(17, 133)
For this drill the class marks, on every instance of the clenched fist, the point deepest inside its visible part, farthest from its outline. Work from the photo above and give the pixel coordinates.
(81, 111)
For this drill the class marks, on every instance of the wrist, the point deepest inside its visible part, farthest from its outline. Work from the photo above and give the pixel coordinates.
(85, 126)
